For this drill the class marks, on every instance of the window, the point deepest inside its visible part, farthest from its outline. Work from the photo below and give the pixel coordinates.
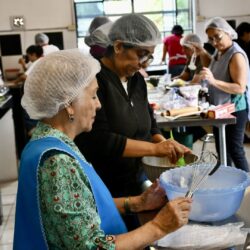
(14, 49)
(164, 13)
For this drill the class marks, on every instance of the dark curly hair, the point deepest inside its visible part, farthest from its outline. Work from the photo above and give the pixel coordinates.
(242, 28)
(177, 30)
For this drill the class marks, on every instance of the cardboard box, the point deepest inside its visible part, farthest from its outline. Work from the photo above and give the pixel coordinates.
(221, 111)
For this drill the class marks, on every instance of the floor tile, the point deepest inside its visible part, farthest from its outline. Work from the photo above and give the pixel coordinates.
(2, 227)
(9, 188)
(9, 199)
(9, 226)
(13, 210)
(7, 237)
(6, 210)
(11, 219)
(6, 247)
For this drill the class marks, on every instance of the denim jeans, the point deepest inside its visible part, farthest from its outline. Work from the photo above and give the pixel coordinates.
(234, 141)
(176, 70)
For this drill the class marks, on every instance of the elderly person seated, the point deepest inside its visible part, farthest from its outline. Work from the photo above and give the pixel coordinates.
(61, 201)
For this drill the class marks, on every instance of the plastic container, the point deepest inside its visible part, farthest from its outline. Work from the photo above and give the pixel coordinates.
(191, 94)
(154, 166)
(218, 198)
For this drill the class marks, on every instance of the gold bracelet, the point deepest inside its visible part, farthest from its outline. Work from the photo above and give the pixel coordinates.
(126, 205)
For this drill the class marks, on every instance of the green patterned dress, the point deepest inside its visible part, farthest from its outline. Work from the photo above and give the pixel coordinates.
(68, 209)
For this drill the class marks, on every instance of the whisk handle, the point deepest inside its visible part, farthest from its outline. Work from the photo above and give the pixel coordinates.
(189, 194)
(217, 165)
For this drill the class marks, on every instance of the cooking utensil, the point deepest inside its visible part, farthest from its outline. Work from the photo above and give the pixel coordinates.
(192, 65)
(218, 198)
(207, 165)
(154, 166)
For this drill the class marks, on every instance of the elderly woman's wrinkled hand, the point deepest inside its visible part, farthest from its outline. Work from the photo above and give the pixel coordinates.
(173, 215)
(172, 149)
(153, 198)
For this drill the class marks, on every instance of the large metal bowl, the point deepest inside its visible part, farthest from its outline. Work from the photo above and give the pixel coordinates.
(154, 166)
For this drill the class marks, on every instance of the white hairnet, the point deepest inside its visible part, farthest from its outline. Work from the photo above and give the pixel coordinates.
(99, 36)
(190, 38)
(56, 81)
(97, 22)
(221, 24)
(135, 29)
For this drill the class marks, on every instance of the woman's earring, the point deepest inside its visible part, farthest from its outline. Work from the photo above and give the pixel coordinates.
(71, 117)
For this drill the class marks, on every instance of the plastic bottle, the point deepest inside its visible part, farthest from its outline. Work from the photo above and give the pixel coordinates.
(204, 94)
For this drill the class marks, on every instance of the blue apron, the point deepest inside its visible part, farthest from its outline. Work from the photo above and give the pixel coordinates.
(29, 233)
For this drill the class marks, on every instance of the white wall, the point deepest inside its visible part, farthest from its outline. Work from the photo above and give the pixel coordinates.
(40, 16)
(238, 10)
(8, 163)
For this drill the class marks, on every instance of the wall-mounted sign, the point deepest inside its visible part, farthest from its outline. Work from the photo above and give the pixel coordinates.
(17, 22)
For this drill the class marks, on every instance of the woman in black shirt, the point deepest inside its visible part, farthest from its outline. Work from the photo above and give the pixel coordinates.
(125, 129)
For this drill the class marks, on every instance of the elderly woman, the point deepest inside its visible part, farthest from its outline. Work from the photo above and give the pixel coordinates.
(228, 78)
(42, 40)
(193, 65)
(191, 73)
(125, 129)
(61, 201)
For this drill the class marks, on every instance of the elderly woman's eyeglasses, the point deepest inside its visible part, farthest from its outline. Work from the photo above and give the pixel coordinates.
(143, 59)
(215, 39)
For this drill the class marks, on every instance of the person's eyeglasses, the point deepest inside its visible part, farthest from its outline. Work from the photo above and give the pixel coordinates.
(146, 59)
(143, 59)
(216, 38)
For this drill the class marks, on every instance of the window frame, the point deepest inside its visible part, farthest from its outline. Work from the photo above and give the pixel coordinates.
(164, 32)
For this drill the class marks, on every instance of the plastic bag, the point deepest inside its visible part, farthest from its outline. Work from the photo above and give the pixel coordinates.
(202, 237)
(191, 94)
(171, 100)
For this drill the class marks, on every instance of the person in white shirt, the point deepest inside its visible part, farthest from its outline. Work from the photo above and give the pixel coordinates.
(43, 40)
(34, 54)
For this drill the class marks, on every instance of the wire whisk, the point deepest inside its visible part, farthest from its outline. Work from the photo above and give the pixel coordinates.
(206, 166)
